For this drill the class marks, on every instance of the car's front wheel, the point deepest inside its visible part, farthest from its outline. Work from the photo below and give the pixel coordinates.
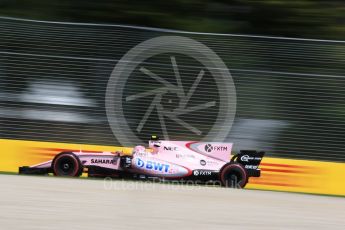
(67, 164)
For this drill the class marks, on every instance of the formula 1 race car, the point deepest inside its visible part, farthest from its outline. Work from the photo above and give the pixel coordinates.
(173, 160)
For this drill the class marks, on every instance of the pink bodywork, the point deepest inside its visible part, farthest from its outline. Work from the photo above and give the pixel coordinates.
(180, 158)
(169, 159)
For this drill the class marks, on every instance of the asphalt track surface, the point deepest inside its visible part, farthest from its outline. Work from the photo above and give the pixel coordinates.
(29, 202)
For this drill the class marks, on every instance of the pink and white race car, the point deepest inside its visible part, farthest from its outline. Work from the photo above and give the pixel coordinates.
(200, 162)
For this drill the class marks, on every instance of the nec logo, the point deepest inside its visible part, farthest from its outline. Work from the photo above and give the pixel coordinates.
(168, 148)
(209, 148)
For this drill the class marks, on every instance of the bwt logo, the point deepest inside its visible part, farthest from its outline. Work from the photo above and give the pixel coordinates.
(152, 165)
(209, 148)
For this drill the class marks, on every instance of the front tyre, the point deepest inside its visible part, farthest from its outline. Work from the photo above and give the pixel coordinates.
(233, 176)
(67, 164)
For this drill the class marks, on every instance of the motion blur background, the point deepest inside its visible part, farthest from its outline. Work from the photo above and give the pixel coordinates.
(290, 92)
(303, 18)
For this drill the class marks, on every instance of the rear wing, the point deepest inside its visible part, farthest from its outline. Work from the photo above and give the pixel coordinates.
(250, 159)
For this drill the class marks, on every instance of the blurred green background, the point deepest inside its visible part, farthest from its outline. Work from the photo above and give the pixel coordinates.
(303, 18)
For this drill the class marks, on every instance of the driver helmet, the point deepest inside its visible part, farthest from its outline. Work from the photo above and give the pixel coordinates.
(154, 144)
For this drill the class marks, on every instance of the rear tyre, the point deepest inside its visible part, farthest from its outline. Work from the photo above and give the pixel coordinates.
(67, 164)
(233, 176)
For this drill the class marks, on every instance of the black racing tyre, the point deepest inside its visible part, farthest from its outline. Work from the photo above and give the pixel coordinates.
(67, 164)
(233, 176)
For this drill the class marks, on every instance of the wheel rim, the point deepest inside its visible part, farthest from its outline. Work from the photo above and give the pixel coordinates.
(66, 166)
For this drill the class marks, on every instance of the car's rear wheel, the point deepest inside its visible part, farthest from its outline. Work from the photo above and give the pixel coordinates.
(67, 164)
(233, 176)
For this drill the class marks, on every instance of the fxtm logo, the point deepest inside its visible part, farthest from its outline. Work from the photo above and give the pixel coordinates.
(209, 148)
(152, 165)
(202, 173)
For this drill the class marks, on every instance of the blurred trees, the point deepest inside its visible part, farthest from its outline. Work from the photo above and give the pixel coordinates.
(303, 18)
